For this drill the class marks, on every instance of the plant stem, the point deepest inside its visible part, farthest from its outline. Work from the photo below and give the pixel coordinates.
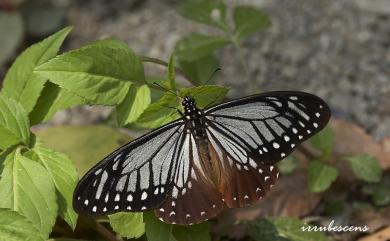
(163, 63)
(105, 233)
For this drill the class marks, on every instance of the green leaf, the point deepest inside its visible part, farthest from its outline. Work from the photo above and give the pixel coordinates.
(200, 70)
(64, 175)
(288, 165)
(324, 141)
(16, 227)
(129, 225)
(14, 124)
(20, 82)
(206, 95)
(210, 12)
(134, 104)
(366, 167)
(159, 231)
(171, 72)
(197, 46)
(53, 99)
(66, 239)
(282, 229)
(112, 43)
(192, 233)
(291, 228)
(156, 230)
(248, 20)
(381, 195)
(85, 145)
(100, 73)
(11, 34)
(26, 187)
(160, 112)
(320, 176)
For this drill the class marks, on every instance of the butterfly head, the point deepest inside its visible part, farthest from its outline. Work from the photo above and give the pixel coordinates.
(189, 104)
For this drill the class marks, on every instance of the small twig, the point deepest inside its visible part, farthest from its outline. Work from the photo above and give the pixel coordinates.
(310, 154)
(105, 233)
(163, 63)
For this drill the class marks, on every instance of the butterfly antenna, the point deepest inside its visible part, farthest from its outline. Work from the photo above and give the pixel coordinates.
(213, 74)
(162, 87)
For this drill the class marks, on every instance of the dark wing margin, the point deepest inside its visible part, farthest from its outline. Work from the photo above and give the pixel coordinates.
(135, 177)
(269, 126)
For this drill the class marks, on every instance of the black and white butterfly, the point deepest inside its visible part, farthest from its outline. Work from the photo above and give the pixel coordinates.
(191, 168)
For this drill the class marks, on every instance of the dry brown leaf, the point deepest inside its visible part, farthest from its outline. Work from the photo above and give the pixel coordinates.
(351, 139)
(382, 235)
(289, 197)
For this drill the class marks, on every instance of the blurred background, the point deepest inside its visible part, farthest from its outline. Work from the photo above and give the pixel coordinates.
(339, 50)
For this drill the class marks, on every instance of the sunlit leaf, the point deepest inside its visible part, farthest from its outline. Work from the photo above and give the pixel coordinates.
(16, 227)
(26, 187)
(129, 225)
(20, 82)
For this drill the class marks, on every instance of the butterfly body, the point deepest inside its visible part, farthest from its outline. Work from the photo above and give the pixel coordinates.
(190, 169)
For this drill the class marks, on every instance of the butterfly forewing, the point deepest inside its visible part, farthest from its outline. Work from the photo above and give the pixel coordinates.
(268, 127)
(136, 177)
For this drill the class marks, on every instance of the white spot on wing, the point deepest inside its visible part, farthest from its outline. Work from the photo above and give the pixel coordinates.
(275, 145)
(144, 195)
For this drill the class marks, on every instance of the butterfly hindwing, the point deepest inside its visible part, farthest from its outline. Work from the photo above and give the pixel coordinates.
(243, 180)
(135, 177)
(197, 198)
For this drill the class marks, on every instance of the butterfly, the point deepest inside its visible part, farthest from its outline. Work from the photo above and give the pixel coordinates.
(189, 170)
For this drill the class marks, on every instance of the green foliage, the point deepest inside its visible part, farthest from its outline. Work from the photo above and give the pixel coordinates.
(133, 105)
(282, 229)
(26, 187)
(101, 72)
(21, 83)
(200, 70)
(159, 231)
(129, 225)
(209, 12)
(16, 227)
(381, 195)
(366, 167)
(14, 123)
(64, 175)
(197, 46)
(171, 72)
(160, 112)
(320, 176)
(288, 165)
(198, 50)
(53, 98)
(248, 20)
(324, 141)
